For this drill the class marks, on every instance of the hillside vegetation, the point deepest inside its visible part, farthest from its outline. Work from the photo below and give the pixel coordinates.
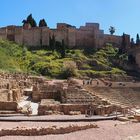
(78, 63)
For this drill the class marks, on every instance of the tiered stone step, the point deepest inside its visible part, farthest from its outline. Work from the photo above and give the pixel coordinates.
(124, 96)
(79, 96)
(7, 112)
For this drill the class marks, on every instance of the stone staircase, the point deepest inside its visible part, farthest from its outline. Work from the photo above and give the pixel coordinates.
(7, 112)
(124, 96)
(81, 96)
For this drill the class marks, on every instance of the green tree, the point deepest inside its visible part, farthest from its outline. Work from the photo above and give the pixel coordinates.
(69, 69)
(42, 23)
(123, 45)
(52, 43)
(137, 39)
(112, 30)
(24, 22)
(123, 40)
(63, 50)
(60, 48)
(131, 59)
(132, 42)
(30, 20)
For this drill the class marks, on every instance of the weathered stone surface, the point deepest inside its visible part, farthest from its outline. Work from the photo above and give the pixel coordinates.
(8, 106)
(85, 36)
(45, 131)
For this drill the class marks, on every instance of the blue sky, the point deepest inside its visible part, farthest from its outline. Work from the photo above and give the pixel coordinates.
(124, 15)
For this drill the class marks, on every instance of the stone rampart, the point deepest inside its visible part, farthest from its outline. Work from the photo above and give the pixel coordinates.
(89, 35)
(116, 40)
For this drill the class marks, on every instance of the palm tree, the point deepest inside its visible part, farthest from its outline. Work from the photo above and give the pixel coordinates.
(112, 30)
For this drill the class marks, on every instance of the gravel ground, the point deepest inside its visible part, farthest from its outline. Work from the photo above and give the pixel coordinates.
(108, 130)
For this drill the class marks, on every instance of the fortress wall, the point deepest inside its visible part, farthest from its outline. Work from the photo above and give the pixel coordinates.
(71, 37)
(11, 33)
(116, 40)
(19, 35)
(99, 38)
(100, 41)
(127, 39)
(79, 38)
(61, 26)
(93, 25)
(45, 36)
(36, 36)
(32, 37)
(90, 36)
(84, 38)
(28, 37)
(60, 35)
(11, 30)
(90, 27)
(137, 58)
(3, 34)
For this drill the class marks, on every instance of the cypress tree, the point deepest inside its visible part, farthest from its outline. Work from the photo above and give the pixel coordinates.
(30, 20)
(137, 39)
(42, 23)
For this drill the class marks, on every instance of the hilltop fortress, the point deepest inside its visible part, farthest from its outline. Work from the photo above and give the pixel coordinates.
(89, 35)
(86, 36)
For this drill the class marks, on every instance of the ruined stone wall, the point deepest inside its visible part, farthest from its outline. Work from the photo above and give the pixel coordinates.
(46, 91)
(67, 108)
(8, 106)
(4, 95)
(10, 95)
(37, 131)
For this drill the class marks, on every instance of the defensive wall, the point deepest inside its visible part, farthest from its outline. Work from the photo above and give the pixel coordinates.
(89, 35)
(135, 52)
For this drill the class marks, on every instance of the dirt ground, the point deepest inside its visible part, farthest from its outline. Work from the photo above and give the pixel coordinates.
(108, 130)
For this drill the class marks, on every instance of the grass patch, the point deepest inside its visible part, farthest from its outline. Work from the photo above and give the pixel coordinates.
(16, 58)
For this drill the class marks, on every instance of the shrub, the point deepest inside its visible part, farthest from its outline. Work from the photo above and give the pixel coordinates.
(69, 69)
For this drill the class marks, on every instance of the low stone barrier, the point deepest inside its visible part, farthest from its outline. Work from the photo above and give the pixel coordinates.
(8, 106)
(23, 131)
(65, 108)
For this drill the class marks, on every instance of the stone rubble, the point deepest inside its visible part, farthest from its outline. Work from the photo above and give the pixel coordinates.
(23, 131)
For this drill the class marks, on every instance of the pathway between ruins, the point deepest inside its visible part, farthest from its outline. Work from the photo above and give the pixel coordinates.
(59, 118)
(26, 102)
